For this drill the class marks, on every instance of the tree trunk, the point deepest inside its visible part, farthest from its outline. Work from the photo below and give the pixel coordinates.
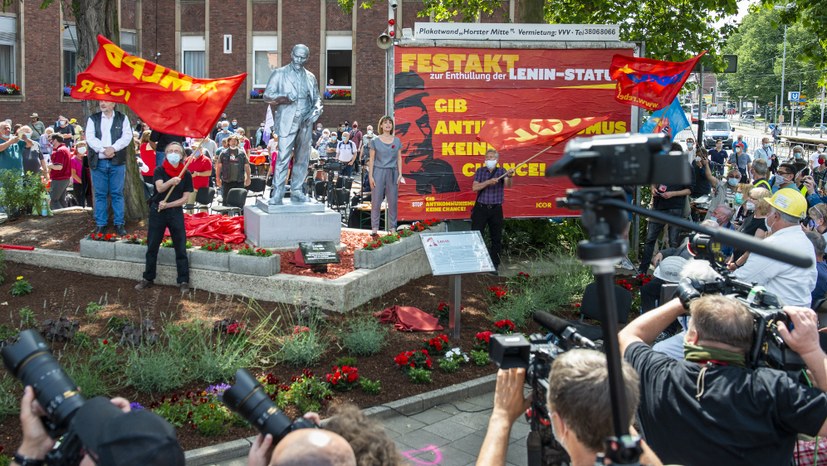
(95, 17)
(529, 11)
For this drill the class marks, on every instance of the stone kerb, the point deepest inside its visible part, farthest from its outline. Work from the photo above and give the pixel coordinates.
(254, 265)
(372, 259)
(210, 260)
(97, 249)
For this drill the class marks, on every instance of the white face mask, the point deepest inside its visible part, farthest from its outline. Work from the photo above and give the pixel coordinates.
(370, 131)
(697, 159)
(173, 158)
(690, 145)
(490, 164)
(750, 205)
(767, 224)
(81, 150)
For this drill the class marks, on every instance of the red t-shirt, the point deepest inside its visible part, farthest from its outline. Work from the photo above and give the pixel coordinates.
(61, 156)
(200, 164)
(148, 157)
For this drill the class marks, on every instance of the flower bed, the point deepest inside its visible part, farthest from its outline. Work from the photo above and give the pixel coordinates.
(9, 89)
(377, 252)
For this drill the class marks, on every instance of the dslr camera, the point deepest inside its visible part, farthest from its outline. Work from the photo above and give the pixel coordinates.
(248, 398)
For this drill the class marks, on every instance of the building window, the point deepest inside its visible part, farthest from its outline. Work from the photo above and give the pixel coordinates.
(265, 60)
(194, 56)
(70, 57)
(129, 42)
(8, 53)
(339, 78)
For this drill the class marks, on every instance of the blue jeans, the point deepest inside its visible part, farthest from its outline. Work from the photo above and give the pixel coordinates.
(107, 181)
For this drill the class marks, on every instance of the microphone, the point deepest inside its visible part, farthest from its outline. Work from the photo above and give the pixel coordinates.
(562, 329)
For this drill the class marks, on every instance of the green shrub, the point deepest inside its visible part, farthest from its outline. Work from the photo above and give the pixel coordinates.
(10, 392)
(302, 349)
(20, 193)
(480, 357)
(364, 336)
(371, 387)
(6, 332)
(419, 375)
(155, 369)
(448, 365)
(27, 318)
(521, 236)
(93, 309)
(308, 393)
(116, 324)
(346, 361)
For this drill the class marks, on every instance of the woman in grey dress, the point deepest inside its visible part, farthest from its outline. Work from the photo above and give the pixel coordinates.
(385, 173)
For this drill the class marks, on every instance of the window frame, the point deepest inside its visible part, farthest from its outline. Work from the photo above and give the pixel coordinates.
(10, 37)
(338, 41)
(260, 44)
(193, 44)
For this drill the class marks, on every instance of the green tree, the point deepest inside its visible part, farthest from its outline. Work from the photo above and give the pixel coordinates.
(672, 29)
(759, 45)
(812, 16)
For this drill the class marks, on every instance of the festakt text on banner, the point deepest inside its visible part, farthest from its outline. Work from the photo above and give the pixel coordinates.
(445, 97)
(168, 101)
(647, 83)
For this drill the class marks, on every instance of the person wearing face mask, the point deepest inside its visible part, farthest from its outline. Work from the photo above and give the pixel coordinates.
(167, 212)
(489, 183)
(718, 157)
(702, 177)
(33, 161)
(818, 158)
(356, 136)
(784, 177)
(791, 284)
(725, 192)
(60, 171)
(765, 152)
(367, 138)
(723, 412)
(81, 182)
(754, 223)
(798, 159)
(742, 161)
(579, 405)
(818, 217)
(346, 154)
(11, 149)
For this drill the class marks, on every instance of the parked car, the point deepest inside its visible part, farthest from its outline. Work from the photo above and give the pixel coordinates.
(748, 114)
(717, 129)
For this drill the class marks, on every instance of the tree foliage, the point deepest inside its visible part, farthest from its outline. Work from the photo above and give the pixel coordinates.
(672, 29)
(811, 15)
(759, 44)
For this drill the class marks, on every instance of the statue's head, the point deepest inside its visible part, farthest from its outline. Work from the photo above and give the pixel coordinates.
(300, 54)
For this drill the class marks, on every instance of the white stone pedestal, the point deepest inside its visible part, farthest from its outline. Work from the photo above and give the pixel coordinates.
(285, 228)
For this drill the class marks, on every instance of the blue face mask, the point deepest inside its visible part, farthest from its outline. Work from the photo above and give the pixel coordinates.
(732, 181)
(173, 158)
(739, 198)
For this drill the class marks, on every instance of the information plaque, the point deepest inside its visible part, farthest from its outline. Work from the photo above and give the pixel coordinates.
(319, 252)
(456, 252)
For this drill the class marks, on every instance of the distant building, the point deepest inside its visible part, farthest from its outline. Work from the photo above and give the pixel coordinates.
(209, 38)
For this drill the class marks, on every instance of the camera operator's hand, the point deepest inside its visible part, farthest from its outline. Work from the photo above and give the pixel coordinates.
(687, 292)
(260, 451)
(36, 441)
(803, 338)
(509, 404)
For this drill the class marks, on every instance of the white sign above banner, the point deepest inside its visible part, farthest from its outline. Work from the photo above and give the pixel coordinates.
(516, 32)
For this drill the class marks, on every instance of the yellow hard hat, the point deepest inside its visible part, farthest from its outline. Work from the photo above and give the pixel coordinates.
(789, 201)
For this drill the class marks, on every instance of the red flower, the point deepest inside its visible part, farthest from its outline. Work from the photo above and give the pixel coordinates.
(577, 305)
(443, 306)
(300, 329)
(401, 359)
(505, 325)
(523, 275)
(484, 336)
(105, 341)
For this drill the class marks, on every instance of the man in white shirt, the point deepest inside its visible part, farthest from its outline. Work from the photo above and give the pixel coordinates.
(108, 133)
(793, 285)
(818, 157)
(346, 154)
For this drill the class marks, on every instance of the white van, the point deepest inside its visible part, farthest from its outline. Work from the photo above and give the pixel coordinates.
(717, 129)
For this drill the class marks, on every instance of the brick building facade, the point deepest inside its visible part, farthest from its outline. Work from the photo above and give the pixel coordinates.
(210, 38)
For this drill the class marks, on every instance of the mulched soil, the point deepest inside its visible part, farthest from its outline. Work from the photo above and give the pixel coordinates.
(60, 293)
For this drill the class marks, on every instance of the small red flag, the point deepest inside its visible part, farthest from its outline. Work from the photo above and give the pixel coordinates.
(508, 133)
(168, 101)
(647, 83)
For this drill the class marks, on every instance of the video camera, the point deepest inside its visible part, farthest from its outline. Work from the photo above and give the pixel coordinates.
(768, 348)
(536, 355)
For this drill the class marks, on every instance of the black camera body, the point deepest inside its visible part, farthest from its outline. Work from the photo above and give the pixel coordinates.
(30, 360)
(248, 399)
(768, 348)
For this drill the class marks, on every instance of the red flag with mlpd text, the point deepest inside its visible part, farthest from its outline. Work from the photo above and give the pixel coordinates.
(168, 101)
(508, 133)
(647, 83)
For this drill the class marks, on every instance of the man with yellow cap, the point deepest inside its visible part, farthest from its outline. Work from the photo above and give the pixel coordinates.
(793, 285)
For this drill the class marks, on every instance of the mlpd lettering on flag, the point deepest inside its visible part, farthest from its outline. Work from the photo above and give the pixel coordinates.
(670, 121)
(651, 84)
(509, 133)
(168, 101)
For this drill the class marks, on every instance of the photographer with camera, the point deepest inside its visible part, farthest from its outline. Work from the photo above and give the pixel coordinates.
(793, 285)
(710, 408)
(579, 404)
(111, 434)
(302, 447)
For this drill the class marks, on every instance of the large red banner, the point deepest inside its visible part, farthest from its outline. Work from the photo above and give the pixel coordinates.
(648, 83)
(168, 101)
(444, 96)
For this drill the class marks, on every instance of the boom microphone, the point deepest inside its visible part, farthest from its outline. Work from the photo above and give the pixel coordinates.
(562, 329)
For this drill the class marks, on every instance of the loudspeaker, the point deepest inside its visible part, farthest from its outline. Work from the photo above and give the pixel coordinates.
(384, 41)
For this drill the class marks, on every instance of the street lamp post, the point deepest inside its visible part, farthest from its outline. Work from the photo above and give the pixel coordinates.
(783, 70)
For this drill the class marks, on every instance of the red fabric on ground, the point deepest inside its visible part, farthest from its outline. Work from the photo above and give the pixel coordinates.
(16, 247)
(227, 229)
(408, 319)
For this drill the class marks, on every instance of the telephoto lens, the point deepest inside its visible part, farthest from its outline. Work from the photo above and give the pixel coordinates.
(248, 398)
(30, 360)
